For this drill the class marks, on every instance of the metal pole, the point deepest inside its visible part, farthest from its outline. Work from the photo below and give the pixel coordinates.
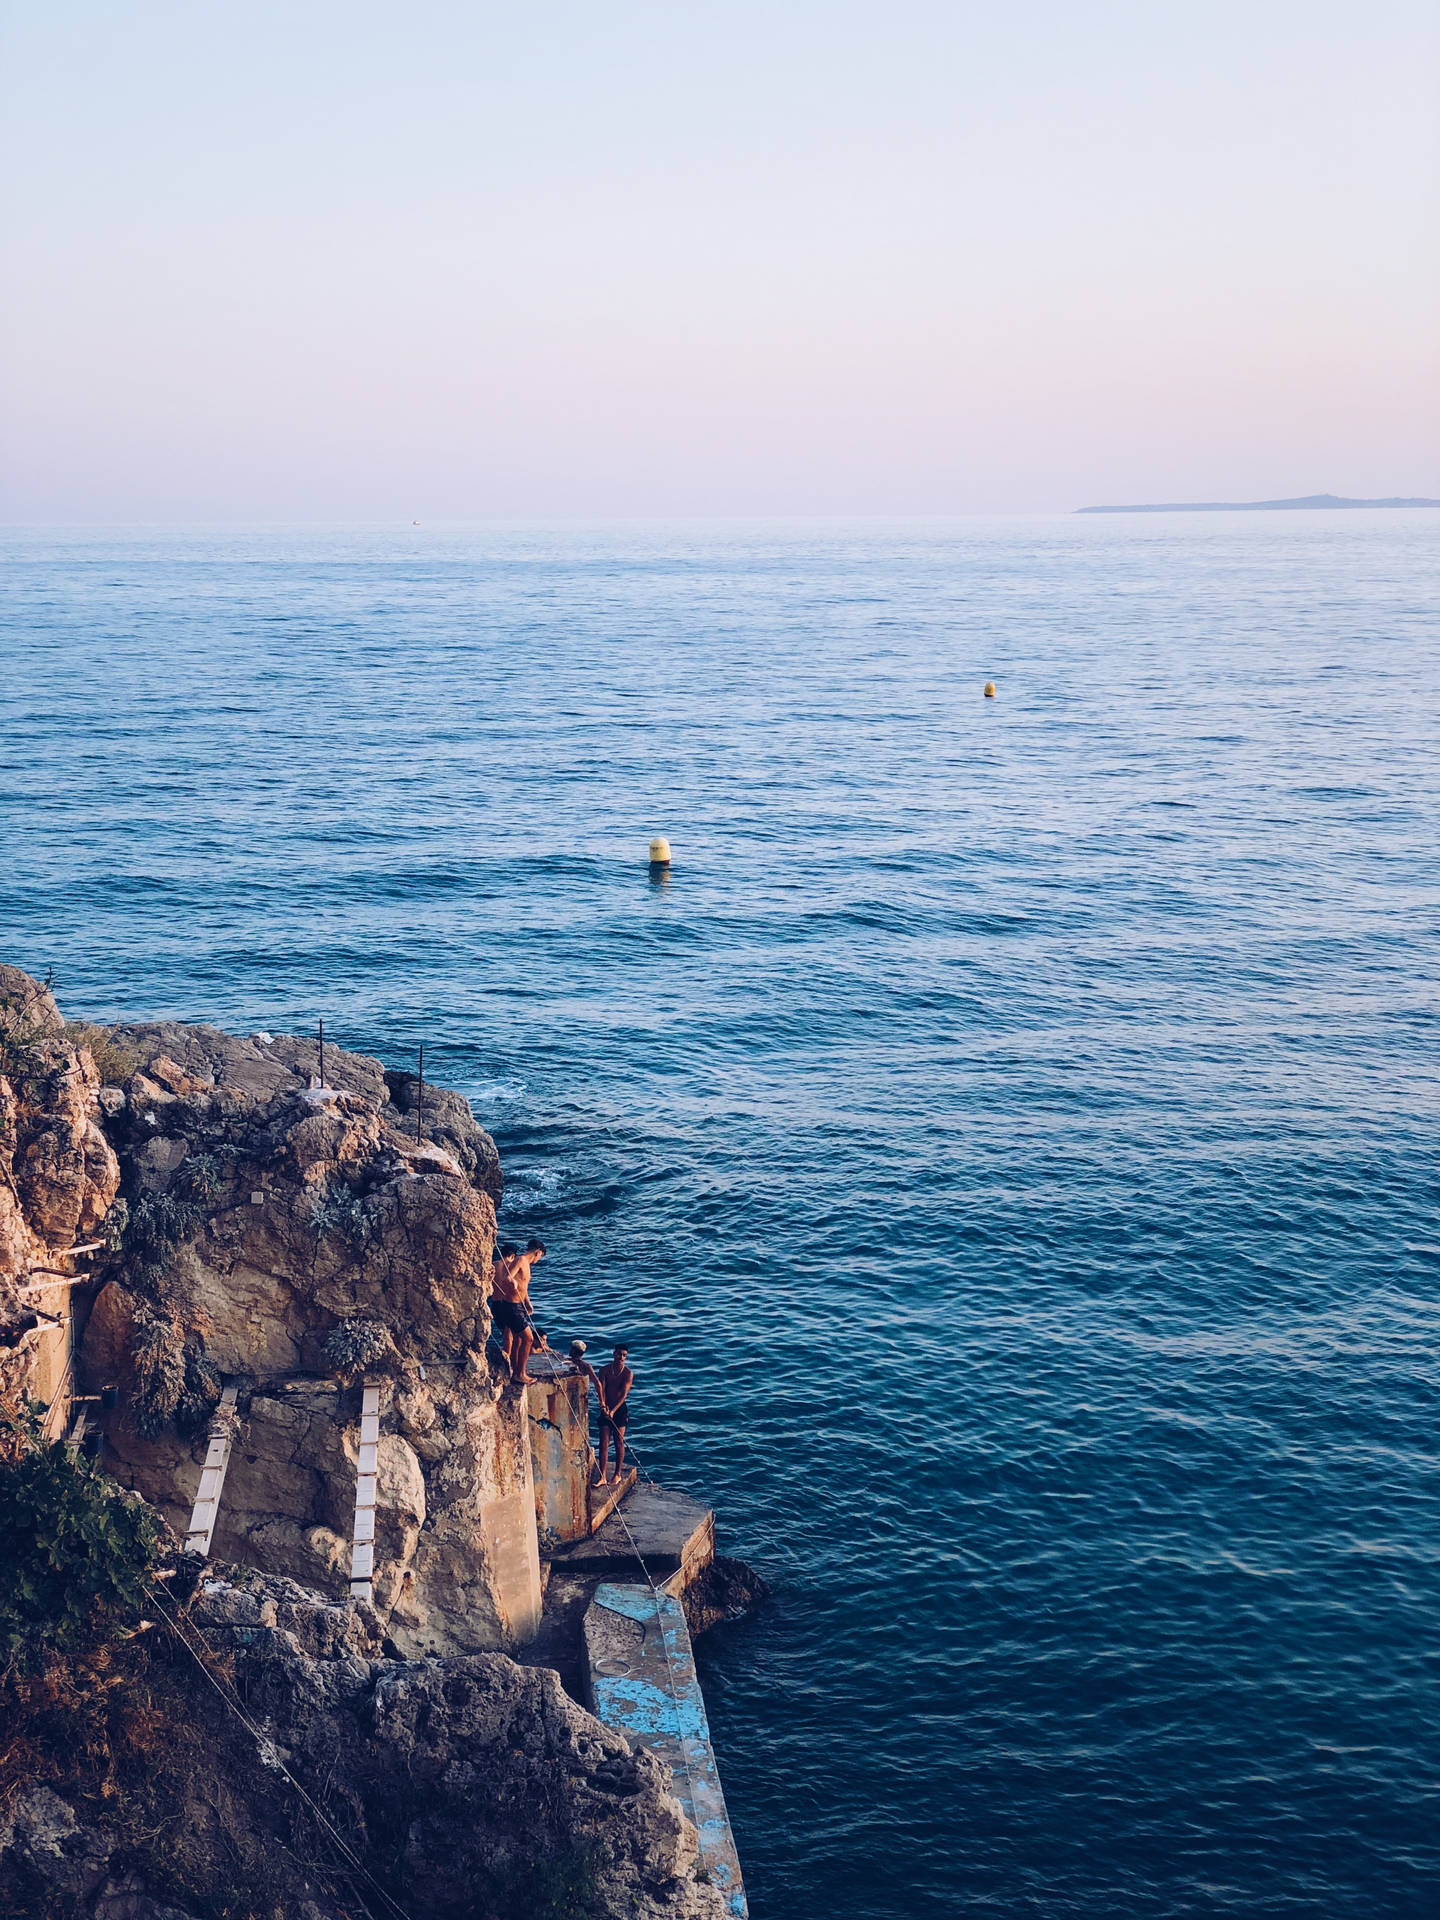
(420, 1100)
(322, 1053)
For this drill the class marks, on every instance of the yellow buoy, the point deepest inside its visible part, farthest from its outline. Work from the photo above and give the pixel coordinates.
(989, 689)
(660, 852)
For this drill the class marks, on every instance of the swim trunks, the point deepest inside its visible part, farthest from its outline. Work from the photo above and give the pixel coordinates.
(508, 1314)
(617, 1419)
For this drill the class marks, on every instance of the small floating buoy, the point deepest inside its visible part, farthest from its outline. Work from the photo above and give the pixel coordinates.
(989, 689)
(660, 852)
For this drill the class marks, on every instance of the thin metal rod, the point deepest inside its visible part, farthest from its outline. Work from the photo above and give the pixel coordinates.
(322, 1053)
(420, 1101)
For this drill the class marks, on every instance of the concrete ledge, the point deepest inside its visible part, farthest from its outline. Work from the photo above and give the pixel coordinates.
(642, 1681)
(604, 1500)
(671, 1533)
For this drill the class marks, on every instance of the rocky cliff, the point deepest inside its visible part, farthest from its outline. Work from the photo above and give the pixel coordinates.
(255, 1754)
(262, 1744)
(291, 1236)
(59, 1176)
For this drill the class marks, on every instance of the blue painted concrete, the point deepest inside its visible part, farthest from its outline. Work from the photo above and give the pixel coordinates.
(643, 1683)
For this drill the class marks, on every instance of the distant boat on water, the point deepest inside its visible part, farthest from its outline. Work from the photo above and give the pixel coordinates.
(1258, 506)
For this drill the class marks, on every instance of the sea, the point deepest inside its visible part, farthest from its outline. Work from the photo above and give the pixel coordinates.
(1006, 1139)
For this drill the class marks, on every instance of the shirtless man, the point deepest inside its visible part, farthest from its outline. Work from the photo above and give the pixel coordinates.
(510, 1305)
(499, 1323)
(614, 1384)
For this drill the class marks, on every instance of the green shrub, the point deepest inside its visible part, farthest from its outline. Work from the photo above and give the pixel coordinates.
(201, 1179)
(157, 1224)
(338, 1210)
(112, 1227)
(353, 1347)
(158, 1351)
(77, 1553)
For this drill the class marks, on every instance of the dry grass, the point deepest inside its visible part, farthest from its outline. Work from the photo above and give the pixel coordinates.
(113, 1063)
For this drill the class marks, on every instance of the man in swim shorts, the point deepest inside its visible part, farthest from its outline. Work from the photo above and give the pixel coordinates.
(614, 1383)
(510, 1304)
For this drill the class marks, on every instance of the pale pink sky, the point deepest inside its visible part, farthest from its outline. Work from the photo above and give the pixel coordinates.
(328, 262)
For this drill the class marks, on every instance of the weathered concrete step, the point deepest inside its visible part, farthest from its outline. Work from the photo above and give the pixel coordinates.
(604, 1500)
(672, 1534)
(643, 1684)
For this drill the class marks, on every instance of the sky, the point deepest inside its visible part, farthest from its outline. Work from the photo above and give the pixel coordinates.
(318, 262)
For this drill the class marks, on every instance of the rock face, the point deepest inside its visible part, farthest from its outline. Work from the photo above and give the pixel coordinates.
(269, 1218)
(254, 1227)
(468, 1788)
(58, 1178)
(287, 1236)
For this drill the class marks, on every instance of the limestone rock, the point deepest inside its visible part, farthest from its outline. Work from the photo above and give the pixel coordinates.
(476, 1776)
(470, 1789)
(59, 1177)
(264, 1210)
(27, 1006)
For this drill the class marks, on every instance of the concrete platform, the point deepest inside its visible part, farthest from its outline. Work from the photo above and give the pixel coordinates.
(642, 1682)
(671, 1533)
(604, 1500)
(567, 1506)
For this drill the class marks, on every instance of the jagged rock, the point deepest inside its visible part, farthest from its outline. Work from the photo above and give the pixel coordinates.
(27, 1005)
(481, 1780)
(724, 1590)
(266, 1212)
(58, 1179)
(469, 1788)
(42, 1840)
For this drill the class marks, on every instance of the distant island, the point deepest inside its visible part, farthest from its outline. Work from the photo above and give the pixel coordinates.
(1258, 506)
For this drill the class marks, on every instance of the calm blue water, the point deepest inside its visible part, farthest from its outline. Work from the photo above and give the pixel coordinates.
(1008, 1143)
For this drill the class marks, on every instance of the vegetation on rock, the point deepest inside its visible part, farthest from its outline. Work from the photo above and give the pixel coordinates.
(355, 1346)
(79, 1551)
(28, 1020)
(113, 1063)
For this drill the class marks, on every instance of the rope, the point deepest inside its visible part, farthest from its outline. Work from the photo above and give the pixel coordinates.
(231, 1700)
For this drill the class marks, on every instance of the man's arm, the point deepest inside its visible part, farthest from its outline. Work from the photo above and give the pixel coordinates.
(626, 1381)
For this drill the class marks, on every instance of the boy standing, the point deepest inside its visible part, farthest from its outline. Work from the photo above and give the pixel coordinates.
(510, 1305)
(614, 1383)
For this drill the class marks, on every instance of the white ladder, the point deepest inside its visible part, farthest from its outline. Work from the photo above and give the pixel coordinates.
(212, 1475)
(362, 1547)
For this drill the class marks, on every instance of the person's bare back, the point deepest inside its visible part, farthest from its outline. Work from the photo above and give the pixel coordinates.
(510, 1305)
